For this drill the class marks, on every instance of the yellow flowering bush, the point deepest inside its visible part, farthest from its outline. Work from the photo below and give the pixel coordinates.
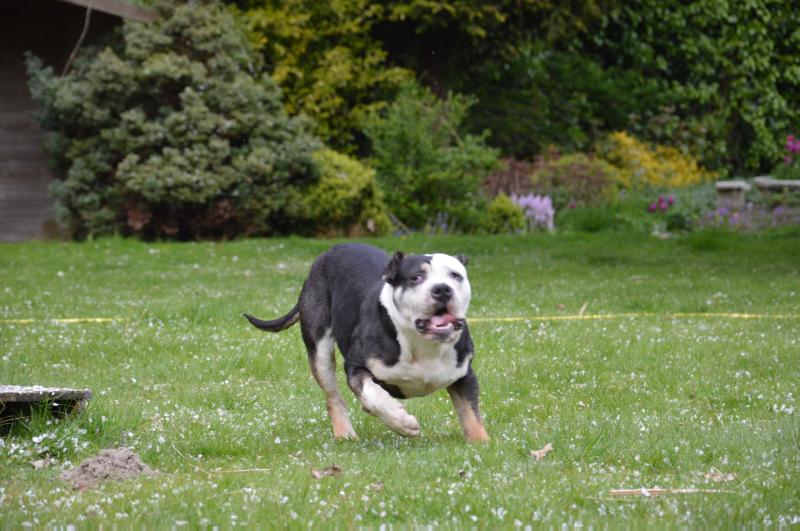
(639, 165)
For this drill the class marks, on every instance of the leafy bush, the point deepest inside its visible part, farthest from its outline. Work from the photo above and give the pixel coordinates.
(574, 179)
(174, 135)
(426, 165)
(589, 219)
(504, 216)
(696, 136)
(640, 166)
(346, 199)
(324, 57)
(512, 176)
(731, 68)
(544, 97)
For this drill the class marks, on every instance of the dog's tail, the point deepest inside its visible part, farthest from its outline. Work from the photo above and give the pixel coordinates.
(276, 325)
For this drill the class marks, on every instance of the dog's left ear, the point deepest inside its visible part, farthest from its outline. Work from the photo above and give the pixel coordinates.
(462, 258)
(392, 269)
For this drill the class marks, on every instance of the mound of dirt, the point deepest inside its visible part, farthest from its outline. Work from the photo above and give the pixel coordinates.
(117, 464)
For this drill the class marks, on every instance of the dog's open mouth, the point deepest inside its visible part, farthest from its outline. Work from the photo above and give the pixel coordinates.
(440, 325)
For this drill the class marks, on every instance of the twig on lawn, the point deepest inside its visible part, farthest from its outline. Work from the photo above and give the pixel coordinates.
(658, 491)
(189, 459)
(129, 322)
(245, 470)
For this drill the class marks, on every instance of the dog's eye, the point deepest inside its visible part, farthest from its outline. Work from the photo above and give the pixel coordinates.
(456, 276)
(419, 277)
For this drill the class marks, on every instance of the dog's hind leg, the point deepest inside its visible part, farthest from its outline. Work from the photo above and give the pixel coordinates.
(322, 360)
(377, 401)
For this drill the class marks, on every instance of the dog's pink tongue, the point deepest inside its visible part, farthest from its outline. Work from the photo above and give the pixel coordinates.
(440, 321)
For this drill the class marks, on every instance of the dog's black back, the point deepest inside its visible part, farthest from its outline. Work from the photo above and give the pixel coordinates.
(344, 275)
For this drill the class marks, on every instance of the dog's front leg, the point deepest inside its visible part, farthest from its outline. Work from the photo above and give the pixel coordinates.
(464, 393)
(377, 401)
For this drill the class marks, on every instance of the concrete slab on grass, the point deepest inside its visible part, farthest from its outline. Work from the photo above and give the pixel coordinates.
(18, 401)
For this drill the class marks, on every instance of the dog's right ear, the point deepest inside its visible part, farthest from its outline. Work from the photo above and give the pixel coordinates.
(392, 269)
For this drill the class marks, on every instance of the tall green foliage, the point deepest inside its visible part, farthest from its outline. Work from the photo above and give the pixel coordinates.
(729, 66)
(175, 134)
(427, 166)
(326, 60)
(346, 199)
(719, 79)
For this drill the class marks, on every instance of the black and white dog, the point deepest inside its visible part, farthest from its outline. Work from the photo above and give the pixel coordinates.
(400, 325)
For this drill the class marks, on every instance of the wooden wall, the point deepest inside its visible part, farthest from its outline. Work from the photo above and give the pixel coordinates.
(50, 29)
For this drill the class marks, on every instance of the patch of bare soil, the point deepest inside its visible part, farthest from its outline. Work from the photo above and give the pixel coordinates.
(117, 464)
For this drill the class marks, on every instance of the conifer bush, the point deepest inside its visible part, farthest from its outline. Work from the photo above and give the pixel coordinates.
(175, 133)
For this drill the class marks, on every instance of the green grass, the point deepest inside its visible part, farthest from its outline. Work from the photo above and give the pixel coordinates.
(234, 422)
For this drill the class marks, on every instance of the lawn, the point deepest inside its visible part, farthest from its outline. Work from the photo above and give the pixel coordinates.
(644, 362)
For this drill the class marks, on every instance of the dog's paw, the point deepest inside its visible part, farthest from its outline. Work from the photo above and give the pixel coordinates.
(403, 424)
(345, 435)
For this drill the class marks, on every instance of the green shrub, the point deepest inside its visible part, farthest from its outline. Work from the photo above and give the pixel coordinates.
(346, 199)
(427, 167)
(707, 240)
(174, 134)
(327, 62)
(575, 179)
(503, 216)
(638, 165)
(542, 97)
(730, 69)
(589, 219)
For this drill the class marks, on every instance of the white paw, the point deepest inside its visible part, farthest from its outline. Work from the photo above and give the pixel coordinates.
(402, 423)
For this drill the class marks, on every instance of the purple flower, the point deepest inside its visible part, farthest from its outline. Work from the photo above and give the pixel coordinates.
(661, 204)
(538, 208)
(792, 144)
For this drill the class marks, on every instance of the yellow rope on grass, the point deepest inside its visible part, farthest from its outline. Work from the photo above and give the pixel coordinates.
(512, 319)
(609, 316)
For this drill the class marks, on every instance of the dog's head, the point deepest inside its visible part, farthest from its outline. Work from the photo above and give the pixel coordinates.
(431, 292)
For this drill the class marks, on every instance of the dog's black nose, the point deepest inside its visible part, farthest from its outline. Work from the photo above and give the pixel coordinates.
(442, 292)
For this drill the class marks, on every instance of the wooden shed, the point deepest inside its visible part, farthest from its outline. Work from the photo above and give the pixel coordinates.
(50, 29)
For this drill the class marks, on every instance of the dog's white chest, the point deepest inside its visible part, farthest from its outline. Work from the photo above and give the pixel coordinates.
(421, 375)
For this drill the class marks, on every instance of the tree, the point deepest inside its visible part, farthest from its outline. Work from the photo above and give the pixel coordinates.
(175, 133)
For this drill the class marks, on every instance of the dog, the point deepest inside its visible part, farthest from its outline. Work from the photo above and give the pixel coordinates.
(400, 324)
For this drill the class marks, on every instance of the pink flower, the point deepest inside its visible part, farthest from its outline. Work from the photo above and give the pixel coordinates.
(787, 159)
(792, 144)
(652, 207)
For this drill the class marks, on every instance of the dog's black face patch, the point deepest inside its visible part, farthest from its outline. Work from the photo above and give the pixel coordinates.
(407, 271)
